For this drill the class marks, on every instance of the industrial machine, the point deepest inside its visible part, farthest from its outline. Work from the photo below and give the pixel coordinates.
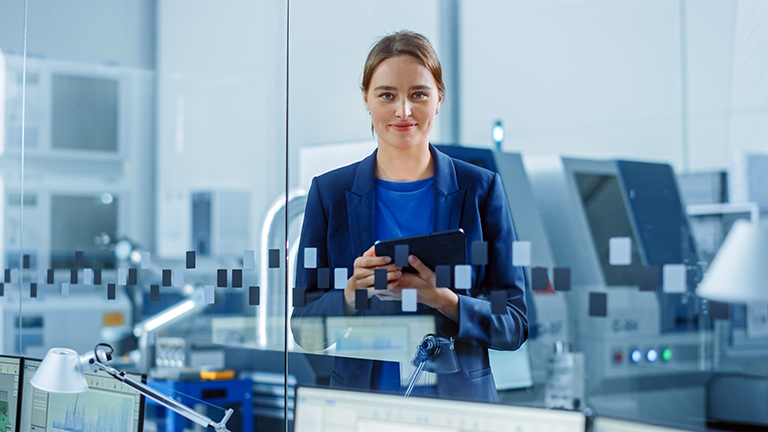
(621, 228)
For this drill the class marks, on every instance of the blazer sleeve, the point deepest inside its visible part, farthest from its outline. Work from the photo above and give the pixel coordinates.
(317, 302)
(477, 324)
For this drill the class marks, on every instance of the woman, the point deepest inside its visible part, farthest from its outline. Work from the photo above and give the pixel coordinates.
(407, 187)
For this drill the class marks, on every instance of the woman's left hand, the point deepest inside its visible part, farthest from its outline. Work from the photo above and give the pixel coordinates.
(427, 292)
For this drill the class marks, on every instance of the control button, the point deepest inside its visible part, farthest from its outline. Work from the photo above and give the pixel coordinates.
(652, 355)
(636, 356)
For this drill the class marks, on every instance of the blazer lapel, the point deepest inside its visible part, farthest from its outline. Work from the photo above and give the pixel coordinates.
(449, 199)
(361, 206)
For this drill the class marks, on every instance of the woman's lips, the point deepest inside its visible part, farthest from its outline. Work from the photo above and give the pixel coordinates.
(403, 126)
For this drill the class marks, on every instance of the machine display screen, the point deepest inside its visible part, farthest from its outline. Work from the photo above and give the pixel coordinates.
(608, 218)
(320, 409)
(10, 370)
(107, 405)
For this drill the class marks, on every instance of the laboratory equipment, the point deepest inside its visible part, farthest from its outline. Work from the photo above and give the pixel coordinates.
(341, 410)
(88, 148)
(105, 403)
(66, 375)
(10, 375)
(52, 318)
(624, 330)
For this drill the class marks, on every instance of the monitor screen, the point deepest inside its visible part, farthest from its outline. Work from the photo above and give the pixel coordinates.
(607, 424)
(10, 370)
(608, 218)
(345, 411)
(107, 406)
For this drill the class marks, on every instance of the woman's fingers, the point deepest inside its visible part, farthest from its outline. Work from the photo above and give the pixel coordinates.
(369, 280)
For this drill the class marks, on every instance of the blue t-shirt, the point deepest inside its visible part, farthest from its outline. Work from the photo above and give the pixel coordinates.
(402, 209)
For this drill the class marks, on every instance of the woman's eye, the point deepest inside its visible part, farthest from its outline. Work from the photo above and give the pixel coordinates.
(387, 96)
(419, 95)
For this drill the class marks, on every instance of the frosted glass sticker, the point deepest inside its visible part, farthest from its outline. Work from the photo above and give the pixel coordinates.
(620, 251)
(323, 278)
(401, 255)
(190, 259)
(598, 304)
(274, 258)
(521, 253)
(674, 278)
(111, 291)
(65, 289)
(249, 260)
(87, 276)
(154, 293)
(648, 278)
(463, 276)
(479, 253)
(298, 297)
(361, 299)
(210, 294)
(498, 302)
(408, 300)
(443, 276)
(79, 259)
(562, 279)
(254, 296)
(33, 290)
(178, 278)
(340, 278)
(122, 276)
(310, 257)
(380, 279)
(145, 260)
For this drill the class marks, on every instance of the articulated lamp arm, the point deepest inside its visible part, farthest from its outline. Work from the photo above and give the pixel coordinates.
(97, 360)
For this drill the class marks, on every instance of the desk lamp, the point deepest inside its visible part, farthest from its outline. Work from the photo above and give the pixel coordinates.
(63, 371)
(739, 272)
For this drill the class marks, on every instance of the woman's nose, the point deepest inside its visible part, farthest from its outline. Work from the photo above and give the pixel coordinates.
(403, 109)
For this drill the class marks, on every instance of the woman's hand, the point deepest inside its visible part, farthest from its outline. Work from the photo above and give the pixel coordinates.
(363, 276)
(427, 292)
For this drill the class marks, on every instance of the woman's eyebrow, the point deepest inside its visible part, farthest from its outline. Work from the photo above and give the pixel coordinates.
(379, 88)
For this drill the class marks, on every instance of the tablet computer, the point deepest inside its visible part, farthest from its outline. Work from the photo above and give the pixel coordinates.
(440, 248)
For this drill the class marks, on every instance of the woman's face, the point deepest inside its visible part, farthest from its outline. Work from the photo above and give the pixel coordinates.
(403, 100)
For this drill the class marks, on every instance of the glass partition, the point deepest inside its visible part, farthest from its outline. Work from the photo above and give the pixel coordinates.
(193, 183)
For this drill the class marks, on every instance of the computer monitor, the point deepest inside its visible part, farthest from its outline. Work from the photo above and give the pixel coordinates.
(107, 406)
(348, 411)
(607, 424)
(10, 371)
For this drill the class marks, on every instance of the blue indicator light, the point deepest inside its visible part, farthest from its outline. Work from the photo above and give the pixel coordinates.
(636, 356)
(652, 355)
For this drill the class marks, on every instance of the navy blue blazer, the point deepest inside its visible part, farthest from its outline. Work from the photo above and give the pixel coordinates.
(339, 222)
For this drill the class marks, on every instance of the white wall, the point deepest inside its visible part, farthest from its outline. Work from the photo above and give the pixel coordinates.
(328, 48)
(587, 78)
(104, 31)
(601, 79)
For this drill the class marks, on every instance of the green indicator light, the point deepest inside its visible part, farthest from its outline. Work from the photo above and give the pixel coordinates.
(666, 354)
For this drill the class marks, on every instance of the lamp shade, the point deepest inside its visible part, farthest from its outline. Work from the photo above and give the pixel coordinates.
(739, 272)
(60, 372)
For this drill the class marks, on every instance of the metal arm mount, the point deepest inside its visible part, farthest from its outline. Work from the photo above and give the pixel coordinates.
(96, 361)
